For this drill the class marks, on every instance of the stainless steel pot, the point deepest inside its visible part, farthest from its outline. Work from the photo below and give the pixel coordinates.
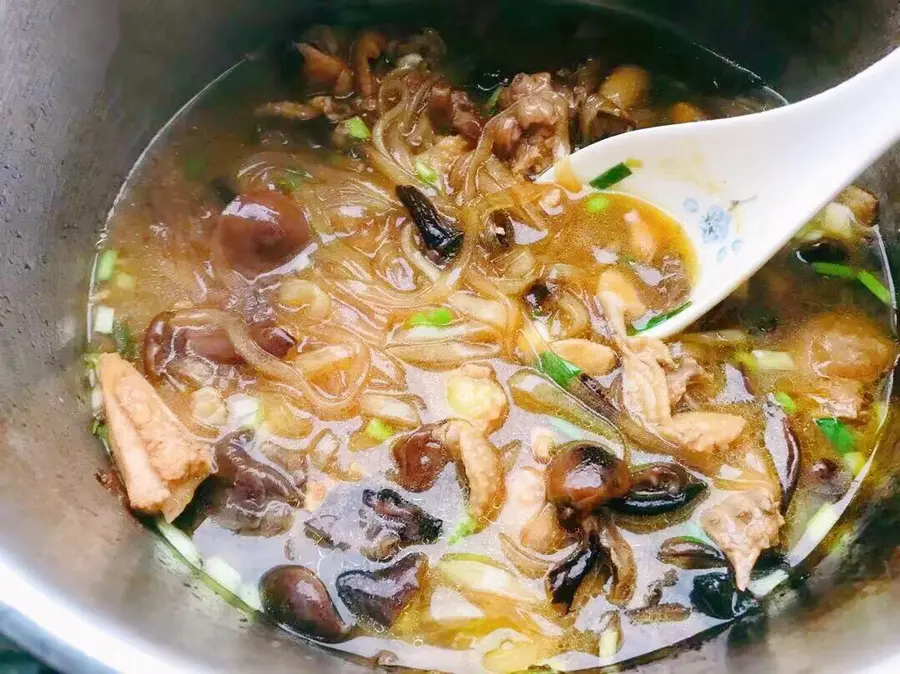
(84, 84)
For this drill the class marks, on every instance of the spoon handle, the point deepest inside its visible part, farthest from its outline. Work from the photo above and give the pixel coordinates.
(844, 130)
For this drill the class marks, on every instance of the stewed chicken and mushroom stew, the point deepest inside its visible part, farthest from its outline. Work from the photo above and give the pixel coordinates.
(382, 386)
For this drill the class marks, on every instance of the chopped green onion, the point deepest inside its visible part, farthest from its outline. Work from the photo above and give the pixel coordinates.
(875, 286)
(91, 359)
(104, 318)
(608, 645)
(840, 437)
(101, 430)
(818, 526)
(787, 403)
(558, 369)
(180, 541)
(855, 461)
(834, 269)
(773, 360)
(747, 360)
(609, 178)
(245, 411)
(124, 281)
(867, 278)
(249, 594)
(491, 102)
(106, 264)
(596, 203)
(124, 340)
(465, 528)
(436, 318)
(223, 573)
(357, 128)
(378, 430)
(426, 173)
(661, 318)
(633, 163)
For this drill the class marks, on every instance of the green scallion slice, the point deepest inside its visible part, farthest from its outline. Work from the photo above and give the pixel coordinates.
(106, 264)
(491, 102)
(124, 340)
(661, 318)
(379, 430)
(596, 203)
(610, 177)
(875, 286)
(124, 281)
(437, 318)
(840, 437)
(558, 368)
(773, 360)
(465, 528)
(787, 403)
(426, 173)
(357, 128)
(833, 269)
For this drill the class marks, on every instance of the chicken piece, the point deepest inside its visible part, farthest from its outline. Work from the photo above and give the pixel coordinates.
(480, 462)
(368, 48)
(743, 525)
(595, 359)
(614, 281)
(326, 69)
(523, 85)
(452, 108)
(527, 516)
(474, 393)
(840, 398)
(626, 87)
(652, 347)
(682, 113)
(645, 393)
(686, 372)
(642, 242)
(863, 204)
(842, 346)
(444, 153)
(533, 133)
(160, 461)
(706, 431)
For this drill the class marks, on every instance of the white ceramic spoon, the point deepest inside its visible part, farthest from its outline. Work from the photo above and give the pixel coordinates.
(742, 187)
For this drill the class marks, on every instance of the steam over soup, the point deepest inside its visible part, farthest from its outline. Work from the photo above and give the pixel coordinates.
(382, 386)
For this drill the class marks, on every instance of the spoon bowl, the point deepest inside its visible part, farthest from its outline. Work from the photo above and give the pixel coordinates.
(742, 187)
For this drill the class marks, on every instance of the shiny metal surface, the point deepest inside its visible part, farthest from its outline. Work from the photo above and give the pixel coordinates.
(84, 85)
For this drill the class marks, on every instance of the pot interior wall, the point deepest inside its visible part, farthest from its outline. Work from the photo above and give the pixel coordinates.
(84, 85)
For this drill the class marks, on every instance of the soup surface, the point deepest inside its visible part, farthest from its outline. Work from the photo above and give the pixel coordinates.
(382, 386)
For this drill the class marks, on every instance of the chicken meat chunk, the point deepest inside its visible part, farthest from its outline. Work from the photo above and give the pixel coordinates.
(161, 463)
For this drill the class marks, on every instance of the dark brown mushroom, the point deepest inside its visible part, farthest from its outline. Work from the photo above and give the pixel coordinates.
(565, 578)
(440, 236)
(420, 457)
(381, 596)
(690, 553)
(295, 597)
(784, 450)
(248, 495)
(261, 231)
(658, 488)
(163, 342)
(582, 477)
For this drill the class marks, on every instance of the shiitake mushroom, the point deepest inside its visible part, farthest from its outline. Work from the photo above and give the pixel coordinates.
(716, 595)
(381, 596)
(582, 477)
(419, 458)
(295, 597)
(440, 236)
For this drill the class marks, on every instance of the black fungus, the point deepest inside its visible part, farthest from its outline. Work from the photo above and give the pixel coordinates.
(658, 488)
(222, 190)
(378, 524)
(566, 577)
(537, 297)
(381, 596)
(716, 595)
(440, 236)
(690, 553)
(419, 457)
(248, 495)
(784, 449)
(295, 597)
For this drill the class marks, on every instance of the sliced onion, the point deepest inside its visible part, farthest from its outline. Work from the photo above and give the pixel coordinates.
(490, 312)
(579, 319)
(470, 331)
(444, 354)
(395, 410)
(527, 563)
